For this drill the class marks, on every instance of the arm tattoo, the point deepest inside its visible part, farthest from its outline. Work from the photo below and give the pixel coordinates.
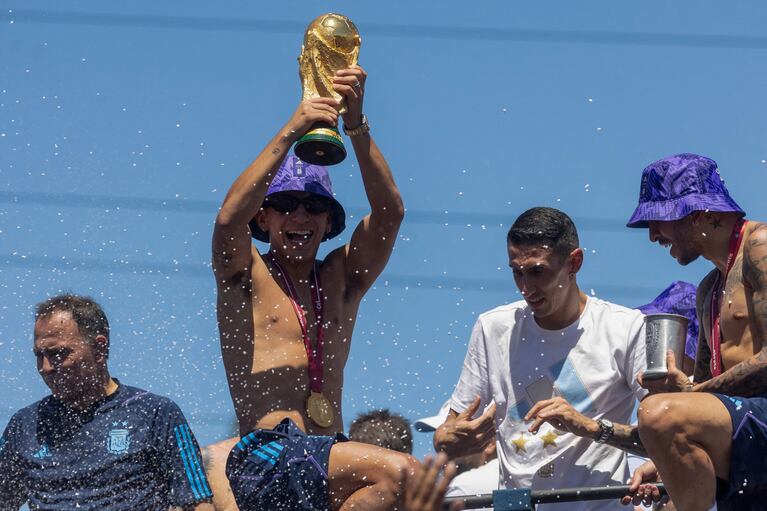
(749, 378)
(276, 150)
(626, 438)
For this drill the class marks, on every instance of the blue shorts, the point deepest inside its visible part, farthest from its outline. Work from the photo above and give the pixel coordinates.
(281, 469)
(747, 484)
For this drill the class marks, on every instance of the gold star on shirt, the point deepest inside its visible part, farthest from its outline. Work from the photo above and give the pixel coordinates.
(550, 438)
(519, 443)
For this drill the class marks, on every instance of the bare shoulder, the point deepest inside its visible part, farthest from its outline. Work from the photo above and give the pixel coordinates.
(333, 272)
(756, 235)
(755, 255)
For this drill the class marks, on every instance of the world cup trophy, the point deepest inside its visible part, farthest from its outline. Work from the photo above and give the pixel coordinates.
(331, 42)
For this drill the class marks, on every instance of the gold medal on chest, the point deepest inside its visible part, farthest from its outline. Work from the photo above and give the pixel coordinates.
(319, 409)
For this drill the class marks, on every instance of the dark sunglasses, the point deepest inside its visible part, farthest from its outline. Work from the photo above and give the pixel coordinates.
(313, 204)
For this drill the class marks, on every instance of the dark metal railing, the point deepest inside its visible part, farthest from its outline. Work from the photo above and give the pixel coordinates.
(524, 499)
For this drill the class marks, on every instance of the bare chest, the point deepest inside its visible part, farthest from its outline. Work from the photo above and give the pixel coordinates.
(286, 332)
(735, 336)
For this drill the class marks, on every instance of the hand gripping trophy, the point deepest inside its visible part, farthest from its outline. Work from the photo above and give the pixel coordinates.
(331, 43)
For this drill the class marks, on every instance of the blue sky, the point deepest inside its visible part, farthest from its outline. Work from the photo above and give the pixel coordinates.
(123, 125)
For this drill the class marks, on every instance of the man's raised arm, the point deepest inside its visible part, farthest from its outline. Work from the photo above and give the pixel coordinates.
(231, 235)
(373, 239)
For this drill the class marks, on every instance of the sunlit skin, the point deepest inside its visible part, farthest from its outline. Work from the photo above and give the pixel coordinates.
(689, 435)
(261, 339)
(547, 283)
(285, 231)
(72, 366)
(679, 236)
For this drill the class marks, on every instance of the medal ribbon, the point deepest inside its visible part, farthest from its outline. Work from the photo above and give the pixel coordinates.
(313, 355)
(716, 337)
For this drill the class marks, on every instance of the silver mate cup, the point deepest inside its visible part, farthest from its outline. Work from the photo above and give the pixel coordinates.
(663, 332)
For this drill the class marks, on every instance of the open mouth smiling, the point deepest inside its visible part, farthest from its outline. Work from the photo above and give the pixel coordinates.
(299, 235)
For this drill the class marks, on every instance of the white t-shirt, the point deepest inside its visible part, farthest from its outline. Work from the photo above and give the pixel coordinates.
(592, 364)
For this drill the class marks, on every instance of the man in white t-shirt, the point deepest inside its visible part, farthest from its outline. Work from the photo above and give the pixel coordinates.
(557, 343)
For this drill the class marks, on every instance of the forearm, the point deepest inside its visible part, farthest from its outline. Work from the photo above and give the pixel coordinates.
(747, 379)
(626, 438)
(382, 193)
(247, 192)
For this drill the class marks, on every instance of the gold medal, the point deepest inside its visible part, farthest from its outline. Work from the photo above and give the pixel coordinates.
(319, 409)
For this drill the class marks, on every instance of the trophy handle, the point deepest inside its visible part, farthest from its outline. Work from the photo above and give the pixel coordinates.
(321, 145)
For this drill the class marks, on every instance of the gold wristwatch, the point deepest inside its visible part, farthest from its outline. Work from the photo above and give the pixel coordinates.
(364, 127)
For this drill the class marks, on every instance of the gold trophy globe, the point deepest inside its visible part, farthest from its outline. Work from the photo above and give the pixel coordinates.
(331, 42)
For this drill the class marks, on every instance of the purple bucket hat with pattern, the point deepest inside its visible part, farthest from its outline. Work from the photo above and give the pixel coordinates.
(678, 185)
(678, 298)
(295, 175)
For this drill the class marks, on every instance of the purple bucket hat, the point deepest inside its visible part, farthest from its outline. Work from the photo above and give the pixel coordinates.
(678, 298)
(678, 185)
(295, 175)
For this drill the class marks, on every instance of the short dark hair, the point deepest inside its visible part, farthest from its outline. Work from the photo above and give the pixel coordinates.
(545, 226)
(384, 429)
(86, 313)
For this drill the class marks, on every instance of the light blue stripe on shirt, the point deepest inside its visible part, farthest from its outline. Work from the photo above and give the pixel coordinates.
(192, 450)
(187, 464)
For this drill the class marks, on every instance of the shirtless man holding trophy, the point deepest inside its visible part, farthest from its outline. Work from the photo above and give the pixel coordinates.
(286, 318)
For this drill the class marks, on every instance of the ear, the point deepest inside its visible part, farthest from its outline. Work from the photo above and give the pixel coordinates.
(101, 345)
(575, 261)
(261, 219)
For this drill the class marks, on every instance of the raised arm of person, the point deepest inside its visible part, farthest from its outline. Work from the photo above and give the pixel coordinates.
(749, 378)
(232, 257)
(366, 255)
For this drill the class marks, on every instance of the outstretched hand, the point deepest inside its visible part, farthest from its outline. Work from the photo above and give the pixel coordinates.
(674, 381)
(425, 490)
(640, 491)
(461, 435)
(561, 414)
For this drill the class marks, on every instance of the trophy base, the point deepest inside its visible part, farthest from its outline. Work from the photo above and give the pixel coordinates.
(321, 145)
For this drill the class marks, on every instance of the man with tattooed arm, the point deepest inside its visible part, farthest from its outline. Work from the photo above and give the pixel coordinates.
(709, 445)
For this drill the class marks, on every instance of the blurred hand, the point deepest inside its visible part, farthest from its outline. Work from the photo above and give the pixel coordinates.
(462, 436)
(639, 489)
(561, 414)
(350, 83)
(425, 490)
(674, 381)
(310, 111)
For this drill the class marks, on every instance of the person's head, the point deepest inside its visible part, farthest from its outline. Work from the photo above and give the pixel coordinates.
(545, 257)
(683, 201)
(384, 429)
(71, 345)
(299, 210)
